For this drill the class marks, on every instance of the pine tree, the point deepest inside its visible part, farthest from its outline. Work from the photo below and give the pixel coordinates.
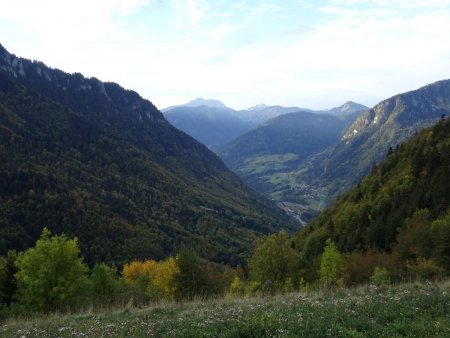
(191, 279)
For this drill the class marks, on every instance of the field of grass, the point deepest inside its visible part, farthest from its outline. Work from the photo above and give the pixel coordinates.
(409, 310)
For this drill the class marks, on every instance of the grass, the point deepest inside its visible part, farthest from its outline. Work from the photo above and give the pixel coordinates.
(268, 163)
(409, 310)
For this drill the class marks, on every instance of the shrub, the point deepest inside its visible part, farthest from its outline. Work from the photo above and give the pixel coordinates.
(423, 269)
(380, 276)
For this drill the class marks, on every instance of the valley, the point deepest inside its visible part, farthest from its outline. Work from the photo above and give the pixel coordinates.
(110, 211)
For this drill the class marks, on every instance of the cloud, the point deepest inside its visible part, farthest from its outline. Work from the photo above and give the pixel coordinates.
(290, 53)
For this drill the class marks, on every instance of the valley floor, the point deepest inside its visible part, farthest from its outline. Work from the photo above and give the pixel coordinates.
(407, 310)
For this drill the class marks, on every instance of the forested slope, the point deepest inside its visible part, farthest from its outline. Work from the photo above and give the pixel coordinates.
(96, 161)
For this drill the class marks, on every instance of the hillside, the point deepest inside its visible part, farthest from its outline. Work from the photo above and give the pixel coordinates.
(96, 161)
(211, 125)
(405, 194)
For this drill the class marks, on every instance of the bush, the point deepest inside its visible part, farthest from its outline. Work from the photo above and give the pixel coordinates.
(330, 265)
(237, 287)
(423, 269)
(380, 276)
(359, 267)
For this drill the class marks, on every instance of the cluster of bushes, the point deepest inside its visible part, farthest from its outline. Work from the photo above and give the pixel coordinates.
(421, 252)
(52, 276)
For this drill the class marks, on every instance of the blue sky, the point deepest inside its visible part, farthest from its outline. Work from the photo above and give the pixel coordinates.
(313, 54)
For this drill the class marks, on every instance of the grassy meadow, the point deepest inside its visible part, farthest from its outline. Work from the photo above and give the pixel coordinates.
(407, 310)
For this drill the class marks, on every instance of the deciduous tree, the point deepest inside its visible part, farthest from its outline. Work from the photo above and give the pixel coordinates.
(330, 264)
(52, 275)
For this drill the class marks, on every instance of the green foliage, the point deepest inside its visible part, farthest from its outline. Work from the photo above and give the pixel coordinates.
(440, 234)
(191, 279)
(423, 269)
(273, 259)
(51, 276)
(381, 276)
(288, 285)
(237, 287)
(8, 282)
(330, 265)
(304, 286)
(104, 284)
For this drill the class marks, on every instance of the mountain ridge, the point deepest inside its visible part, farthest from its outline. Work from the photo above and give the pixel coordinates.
(387, 124)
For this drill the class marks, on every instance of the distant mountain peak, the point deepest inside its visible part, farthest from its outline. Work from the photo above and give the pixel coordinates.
(198, 102)
(347, 108)
(260, 106)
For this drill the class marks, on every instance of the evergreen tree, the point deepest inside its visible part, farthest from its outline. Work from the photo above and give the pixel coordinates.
(191, 279)
(104, 283)
(8, 283)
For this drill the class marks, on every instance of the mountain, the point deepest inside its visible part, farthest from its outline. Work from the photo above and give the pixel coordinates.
(214, 124)
(386, 125)
(261, 113)
(404, 202)
(211, 125)
(348, 108)
(268, 156)
(99, 162)
(200, 102)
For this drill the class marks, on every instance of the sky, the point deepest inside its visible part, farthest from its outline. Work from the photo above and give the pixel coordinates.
(311, 54)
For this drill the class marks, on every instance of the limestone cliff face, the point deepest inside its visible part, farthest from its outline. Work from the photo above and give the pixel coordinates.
(388, 124)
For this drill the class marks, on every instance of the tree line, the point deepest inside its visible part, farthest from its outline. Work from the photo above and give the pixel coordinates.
(52, 275)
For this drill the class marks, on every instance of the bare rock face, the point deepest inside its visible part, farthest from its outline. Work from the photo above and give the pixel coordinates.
(388, 124)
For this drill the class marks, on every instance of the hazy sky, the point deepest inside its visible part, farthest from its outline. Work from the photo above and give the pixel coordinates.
(314, 54)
